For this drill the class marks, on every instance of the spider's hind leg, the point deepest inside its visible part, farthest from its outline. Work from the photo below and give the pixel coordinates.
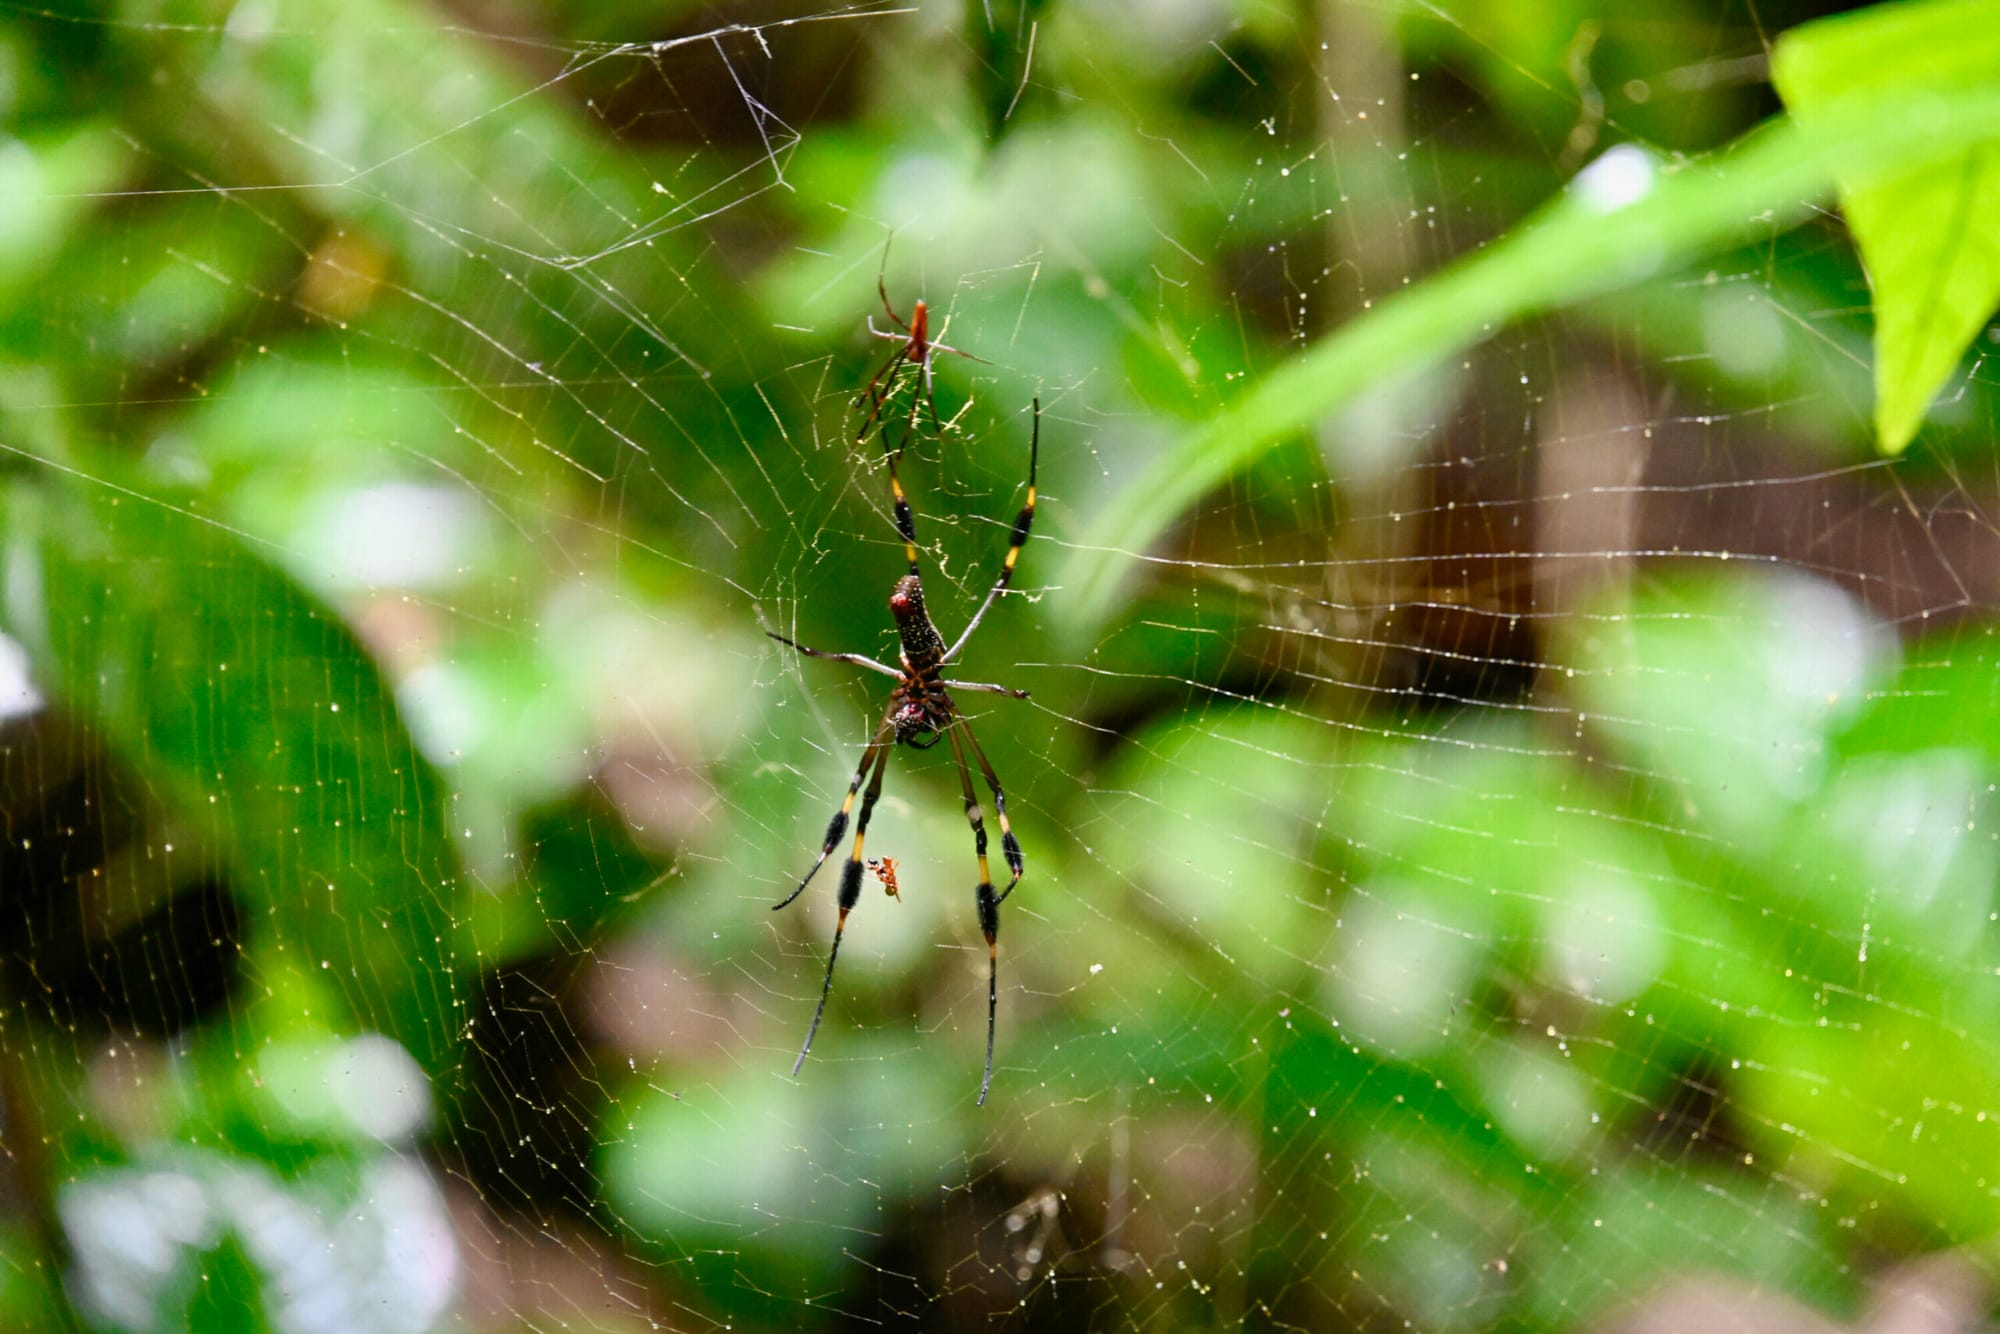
(1010, 847)
(985, 900)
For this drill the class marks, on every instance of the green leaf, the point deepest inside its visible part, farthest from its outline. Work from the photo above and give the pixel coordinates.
(1584, 243)
(1925, 230)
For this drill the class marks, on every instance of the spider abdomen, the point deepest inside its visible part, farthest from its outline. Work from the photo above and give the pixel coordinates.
(923, 646)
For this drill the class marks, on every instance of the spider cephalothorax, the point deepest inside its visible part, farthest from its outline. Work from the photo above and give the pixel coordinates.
(920, 714)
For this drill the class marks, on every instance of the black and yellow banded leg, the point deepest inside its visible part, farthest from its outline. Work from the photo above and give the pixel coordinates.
(850, 894)
(1010, 847)
(988, 904)
(1026, 518)
(989, 923)
(876, 752)
(1023, 522)
(906, 521)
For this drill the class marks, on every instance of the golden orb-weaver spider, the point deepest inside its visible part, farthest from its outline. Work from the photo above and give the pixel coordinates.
(921, 711)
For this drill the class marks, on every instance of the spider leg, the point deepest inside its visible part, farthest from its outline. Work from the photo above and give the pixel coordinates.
(877, 749)
(986, 686)
(850, 894)
(939, 345)
(936, 346)
(988, 904)
(906, 520)
(923, 398)
(1022, 522)
(880, 390)
(859, 660)
(1010, 846)
(927, 397)
(882, 289)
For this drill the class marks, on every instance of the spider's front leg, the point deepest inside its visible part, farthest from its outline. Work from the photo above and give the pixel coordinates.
(1018, 538)
(876, 754)
(850, 891)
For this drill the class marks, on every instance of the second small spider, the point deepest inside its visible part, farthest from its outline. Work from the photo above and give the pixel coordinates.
(920, 713)
(915, 347)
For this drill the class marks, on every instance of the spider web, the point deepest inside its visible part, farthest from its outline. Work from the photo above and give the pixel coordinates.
(1516, 857)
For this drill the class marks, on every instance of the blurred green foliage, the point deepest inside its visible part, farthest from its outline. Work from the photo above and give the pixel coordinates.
(412, 417)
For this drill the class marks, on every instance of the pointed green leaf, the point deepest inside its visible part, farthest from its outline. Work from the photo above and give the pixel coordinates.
(1926, 230)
